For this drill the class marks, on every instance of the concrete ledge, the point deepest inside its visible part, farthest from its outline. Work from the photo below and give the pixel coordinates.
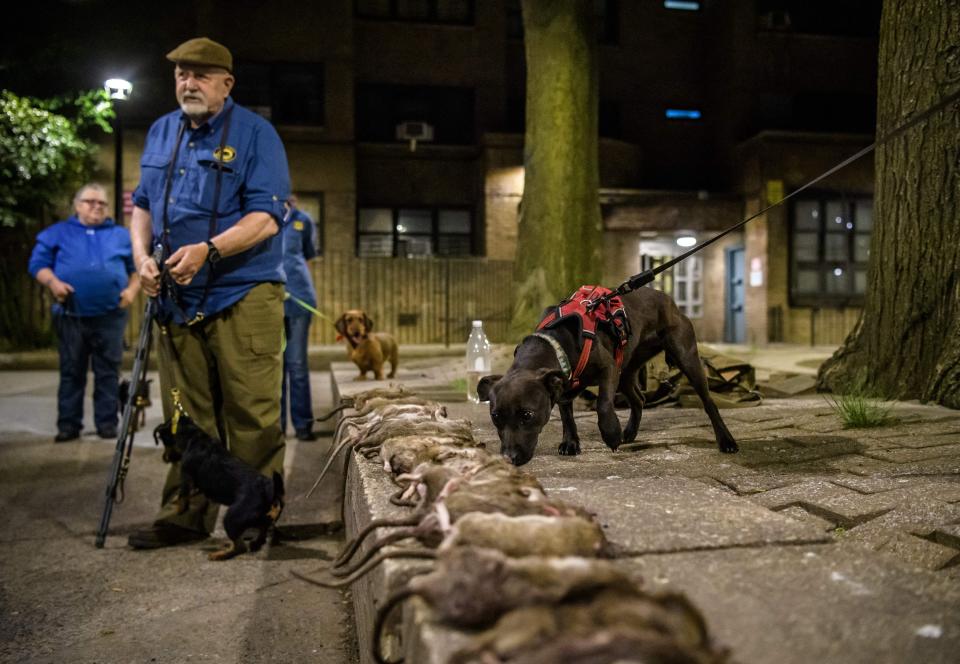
(756, 540)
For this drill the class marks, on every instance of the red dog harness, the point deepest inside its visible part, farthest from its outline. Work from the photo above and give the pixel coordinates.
(587, 310)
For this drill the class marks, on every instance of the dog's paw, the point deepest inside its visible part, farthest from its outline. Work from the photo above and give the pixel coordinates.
(232, 549)
(569, 448)
(630, 434)
(728, 446)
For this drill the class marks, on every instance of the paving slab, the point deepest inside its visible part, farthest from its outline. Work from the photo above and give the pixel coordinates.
(802, 604)
(668, 514)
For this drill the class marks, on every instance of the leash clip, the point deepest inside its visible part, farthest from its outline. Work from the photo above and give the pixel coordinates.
(178, 409)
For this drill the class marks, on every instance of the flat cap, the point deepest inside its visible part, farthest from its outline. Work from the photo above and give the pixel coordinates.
(202, 51)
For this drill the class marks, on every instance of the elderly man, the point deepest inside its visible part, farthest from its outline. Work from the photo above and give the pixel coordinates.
(86, 263)
(213, 181)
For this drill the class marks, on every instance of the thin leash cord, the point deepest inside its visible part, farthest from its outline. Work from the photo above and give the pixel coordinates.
(647, 276)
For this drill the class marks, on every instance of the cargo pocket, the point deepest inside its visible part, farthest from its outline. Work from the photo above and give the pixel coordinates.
(266, 342)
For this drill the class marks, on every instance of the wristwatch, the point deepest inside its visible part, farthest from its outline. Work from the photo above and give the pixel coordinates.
(213, 254)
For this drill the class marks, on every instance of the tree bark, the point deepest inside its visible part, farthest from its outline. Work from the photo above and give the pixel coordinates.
(907, 342)
(560, 229)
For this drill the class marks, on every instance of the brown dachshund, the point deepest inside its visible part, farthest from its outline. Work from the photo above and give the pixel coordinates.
(367, 350)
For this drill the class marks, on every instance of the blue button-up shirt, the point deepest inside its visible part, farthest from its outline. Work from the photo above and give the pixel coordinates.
(95, 260)
(299, 246)
(254, 179)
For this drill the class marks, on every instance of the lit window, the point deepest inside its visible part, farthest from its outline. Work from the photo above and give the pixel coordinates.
(682, 114)
(683, 5)
(683, 282)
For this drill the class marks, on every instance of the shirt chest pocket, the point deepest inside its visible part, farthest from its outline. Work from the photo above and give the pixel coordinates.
(209, 170)
(153, 174)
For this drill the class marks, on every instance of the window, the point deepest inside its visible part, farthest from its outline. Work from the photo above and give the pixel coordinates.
(851, 18)
(455, 12)
(283, 93)
(682, 113)
(414, 232)
(609, 119)
(682, 5)
(683, 282)
(829, 250)
(606, 18)
(449, 110)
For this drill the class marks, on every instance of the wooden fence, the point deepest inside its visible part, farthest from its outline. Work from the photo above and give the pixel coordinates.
(420, 301)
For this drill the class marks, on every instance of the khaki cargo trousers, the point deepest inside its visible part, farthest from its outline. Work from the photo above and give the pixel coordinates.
(228, 369)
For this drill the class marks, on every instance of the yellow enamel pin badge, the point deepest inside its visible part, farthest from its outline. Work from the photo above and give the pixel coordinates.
(226, 155)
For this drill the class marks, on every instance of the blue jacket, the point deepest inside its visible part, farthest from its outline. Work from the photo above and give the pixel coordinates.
(254, 179)
(96, 260)
(299, 246)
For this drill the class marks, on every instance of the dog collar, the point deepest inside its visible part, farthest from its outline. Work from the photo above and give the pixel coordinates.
(562, 358)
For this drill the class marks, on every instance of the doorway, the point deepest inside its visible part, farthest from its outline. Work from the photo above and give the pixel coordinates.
(735, 328)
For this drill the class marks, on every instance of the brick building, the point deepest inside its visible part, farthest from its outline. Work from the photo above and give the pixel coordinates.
(403, 122)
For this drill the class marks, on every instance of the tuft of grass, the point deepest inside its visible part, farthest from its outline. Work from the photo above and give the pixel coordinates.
(860, 412)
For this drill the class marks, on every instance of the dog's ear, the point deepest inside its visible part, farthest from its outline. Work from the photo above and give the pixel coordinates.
(367, 322)
(554, 380)
(485, 385)
(341, 325)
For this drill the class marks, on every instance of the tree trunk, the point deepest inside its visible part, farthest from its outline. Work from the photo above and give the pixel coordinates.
(559, 239)
(907, 342)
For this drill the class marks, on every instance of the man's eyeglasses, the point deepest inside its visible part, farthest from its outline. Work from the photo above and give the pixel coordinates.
(93, 202)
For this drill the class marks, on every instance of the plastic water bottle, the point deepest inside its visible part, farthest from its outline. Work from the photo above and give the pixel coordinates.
(478, 359)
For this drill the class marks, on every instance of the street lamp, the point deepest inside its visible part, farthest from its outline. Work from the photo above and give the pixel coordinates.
(119, 90)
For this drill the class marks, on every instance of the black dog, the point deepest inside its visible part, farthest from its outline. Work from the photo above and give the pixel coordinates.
(521, 400)
(255, 501)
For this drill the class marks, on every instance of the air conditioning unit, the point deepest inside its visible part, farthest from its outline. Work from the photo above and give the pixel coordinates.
(413, 132)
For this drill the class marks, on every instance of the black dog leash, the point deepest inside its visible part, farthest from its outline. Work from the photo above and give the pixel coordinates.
(647, 276)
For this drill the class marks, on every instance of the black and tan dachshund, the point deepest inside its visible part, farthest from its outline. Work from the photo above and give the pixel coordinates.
(255, 501)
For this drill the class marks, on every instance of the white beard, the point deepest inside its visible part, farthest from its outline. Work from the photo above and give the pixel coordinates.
(197, 111)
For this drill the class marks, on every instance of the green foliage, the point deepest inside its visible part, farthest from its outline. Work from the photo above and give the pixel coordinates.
(44, 154)
(858, 411)
(458, 384)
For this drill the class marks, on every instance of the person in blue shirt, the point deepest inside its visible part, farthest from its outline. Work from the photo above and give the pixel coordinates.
(299, 246)
(87, 265)
(213, 179)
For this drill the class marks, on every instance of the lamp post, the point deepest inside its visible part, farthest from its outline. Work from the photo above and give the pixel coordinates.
(119, 90)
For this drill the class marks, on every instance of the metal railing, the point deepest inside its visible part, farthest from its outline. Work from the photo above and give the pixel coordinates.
(418, 300)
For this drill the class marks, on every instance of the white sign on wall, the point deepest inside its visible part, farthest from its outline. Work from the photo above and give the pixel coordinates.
(756, 272)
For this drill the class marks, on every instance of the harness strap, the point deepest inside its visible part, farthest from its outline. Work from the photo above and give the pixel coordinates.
(168, 185)
(214, 214)
(585, 306)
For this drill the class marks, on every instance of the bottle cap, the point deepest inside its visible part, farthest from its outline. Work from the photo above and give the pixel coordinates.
(478, 323)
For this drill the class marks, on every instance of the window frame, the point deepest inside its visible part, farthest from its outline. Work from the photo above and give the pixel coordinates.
(850, 204)
(274, 71)
(393, 14)
(667, 281)
(434, 236)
